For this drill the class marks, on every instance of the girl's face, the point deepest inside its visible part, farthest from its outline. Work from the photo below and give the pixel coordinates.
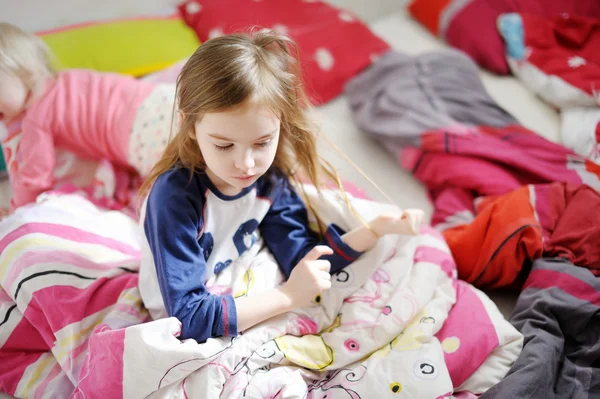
(238, 145)
(13, 96)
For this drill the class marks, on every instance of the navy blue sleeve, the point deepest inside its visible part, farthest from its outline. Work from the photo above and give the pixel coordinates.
(286, 232)
(173, 216)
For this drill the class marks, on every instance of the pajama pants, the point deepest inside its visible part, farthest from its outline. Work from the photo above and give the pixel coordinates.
(153, 127)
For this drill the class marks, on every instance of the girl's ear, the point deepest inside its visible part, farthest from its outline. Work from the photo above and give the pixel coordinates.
(192, 132)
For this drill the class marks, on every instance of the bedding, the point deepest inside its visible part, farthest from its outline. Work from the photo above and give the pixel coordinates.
(106, 185)
(558, 313)
(72, 318)
(524, 206)
(557, 59)
(580, 131)
(470, 25)
(534, 221)
(459, 157)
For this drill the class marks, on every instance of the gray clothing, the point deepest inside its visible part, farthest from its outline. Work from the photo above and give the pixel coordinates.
(400, 97)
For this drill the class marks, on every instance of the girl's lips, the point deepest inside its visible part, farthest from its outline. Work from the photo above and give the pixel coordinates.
(248, 177)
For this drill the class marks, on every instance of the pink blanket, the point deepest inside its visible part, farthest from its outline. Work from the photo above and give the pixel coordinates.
(72, 323)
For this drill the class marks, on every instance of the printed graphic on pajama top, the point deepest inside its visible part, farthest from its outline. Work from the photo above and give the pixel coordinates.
(231, 222)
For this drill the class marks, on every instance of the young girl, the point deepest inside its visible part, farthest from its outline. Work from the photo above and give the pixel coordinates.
(95, 115)
(224, 179)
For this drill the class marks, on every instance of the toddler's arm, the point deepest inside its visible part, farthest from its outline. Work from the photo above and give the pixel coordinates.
(33, 171)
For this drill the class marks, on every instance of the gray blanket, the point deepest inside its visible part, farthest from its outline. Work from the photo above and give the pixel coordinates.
(558, 313)
(399, 97)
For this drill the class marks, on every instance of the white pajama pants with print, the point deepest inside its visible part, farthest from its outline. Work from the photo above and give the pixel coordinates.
(155, 123)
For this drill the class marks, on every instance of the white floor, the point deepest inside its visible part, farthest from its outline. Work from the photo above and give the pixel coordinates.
(370, 11)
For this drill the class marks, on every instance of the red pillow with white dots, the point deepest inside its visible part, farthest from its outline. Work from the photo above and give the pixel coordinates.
(334, 44)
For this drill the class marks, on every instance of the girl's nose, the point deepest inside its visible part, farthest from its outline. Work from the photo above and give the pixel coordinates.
(246, 161)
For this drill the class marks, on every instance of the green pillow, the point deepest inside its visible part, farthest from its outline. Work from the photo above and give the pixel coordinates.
(134, 47)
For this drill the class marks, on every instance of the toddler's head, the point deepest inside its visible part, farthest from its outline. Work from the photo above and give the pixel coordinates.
(25, 64)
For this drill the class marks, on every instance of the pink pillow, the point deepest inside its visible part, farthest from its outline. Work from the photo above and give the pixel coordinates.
(334, 45)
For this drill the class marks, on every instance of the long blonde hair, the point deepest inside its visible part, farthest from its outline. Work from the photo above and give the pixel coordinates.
(228, 70)
(25, 55)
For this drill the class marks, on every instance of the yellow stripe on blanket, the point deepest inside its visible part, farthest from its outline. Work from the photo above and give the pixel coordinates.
(43, 362)
(64, 347)
(96, 252)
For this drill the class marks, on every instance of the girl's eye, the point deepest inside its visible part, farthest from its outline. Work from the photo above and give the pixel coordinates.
(263, 144)
(223, 147)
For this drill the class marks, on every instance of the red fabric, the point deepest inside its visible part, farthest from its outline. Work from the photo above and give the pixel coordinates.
(555, 43)
(472, 27)
(480, 182)
(428, 13)
(473, 30)
(490, 251)
(334, 45)
(458, 167)
(576, 234)
(558, 220)
(13, 366)
(575, 287)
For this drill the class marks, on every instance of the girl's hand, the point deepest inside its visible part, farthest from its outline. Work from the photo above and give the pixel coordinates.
(407, 222)
(309, 278)
(4, 212)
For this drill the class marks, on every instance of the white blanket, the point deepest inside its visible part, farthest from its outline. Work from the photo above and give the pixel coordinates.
(396, 320)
